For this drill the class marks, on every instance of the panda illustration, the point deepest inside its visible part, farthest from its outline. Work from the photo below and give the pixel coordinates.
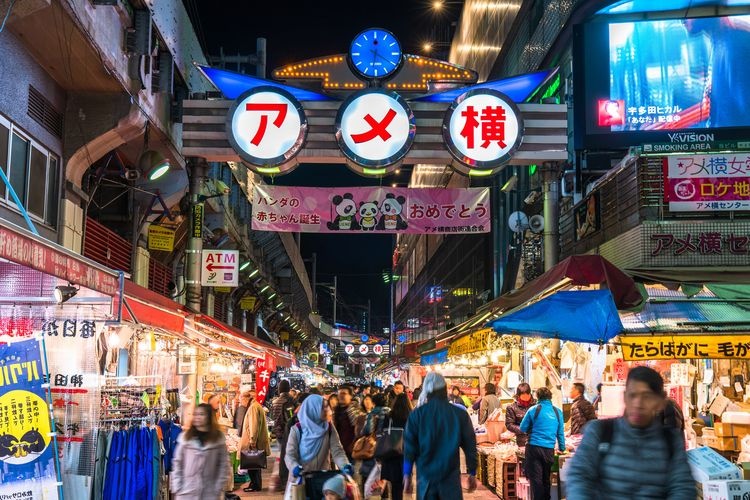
(391, 209)
(346, 211)
(368, 215)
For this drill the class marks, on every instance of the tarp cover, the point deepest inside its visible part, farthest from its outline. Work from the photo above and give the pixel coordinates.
(581, 270)
(588, 316)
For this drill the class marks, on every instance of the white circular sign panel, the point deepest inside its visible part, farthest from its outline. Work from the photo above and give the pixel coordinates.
(375, 128)
(482, 129)
(349, 349)
(267, 127)
(364, 349)
(377, 349)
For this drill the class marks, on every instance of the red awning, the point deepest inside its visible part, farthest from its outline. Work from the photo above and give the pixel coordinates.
(577, 270)
(149, 308)
(283, 358)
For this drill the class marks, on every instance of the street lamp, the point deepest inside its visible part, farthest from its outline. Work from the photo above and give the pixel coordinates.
(438, 5)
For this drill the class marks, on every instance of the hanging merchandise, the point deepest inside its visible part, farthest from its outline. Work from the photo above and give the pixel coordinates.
(27, 446)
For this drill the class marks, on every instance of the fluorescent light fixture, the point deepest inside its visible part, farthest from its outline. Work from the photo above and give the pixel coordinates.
(279, 305)
(265, 288)
(245, 265)
(256, 271)
(272, 296)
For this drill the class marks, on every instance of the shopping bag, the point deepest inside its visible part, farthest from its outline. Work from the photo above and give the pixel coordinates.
(390, 443)
(295, 491)
(374, 485)
(364, 447)
(352, 489)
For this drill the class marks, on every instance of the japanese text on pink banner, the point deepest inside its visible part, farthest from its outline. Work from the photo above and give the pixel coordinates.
(375, 210)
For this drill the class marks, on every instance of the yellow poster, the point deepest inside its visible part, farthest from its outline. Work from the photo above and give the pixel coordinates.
(247, 303)
(160, 238)
(474, 342)
(640, 348)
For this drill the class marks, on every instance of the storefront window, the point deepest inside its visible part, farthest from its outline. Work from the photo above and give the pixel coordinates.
(19, 160)
(4, 133)
(38, 177)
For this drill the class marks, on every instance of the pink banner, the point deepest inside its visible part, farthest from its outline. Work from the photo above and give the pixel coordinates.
(707, 182)
(371, 210)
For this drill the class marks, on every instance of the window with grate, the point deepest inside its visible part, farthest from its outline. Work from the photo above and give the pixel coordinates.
(44, 113)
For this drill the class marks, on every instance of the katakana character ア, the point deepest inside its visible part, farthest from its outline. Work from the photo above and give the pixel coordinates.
(88, 329)
(709, 243)
(279, 108)
(726, 349)
(433, 212)
(416, 211)
(737, 244)
(741, 189)
(49, 328)
(69, 328)
(76, 380)
(663, 242)
(685, 245)
(480, 208)
(377, 128)
(61, 380)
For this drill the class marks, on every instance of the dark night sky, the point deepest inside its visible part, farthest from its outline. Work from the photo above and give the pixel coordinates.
(298, 30)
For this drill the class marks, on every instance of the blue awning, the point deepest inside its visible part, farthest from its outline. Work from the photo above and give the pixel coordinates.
(588, 316)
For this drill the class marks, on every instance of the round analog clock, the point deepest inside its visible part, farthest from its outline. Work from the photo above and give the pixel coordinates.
(375, 54)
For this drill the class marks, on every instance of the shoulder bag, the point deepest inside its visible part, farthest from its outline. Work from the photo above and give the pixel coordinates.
(364, 447)
(390, 442)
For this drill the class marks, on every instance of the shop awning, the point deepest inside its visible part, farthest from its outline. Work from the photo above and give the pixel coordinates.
(549, 307)
(146, 307)
(588, 316)
(283, 358)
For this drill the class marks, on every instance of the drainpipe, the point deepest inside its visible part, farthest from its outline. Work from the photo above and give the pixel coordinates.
(551, 189)
(195, 241)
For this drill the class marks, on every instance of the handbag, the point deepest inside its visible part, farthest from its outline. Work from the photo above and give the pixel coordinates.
(253, 459)
(390, 442)
(364, 447)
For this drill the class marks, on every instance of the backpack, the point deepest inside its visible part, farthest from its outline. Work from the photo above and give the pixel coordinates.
(608, 430)
(536, 415)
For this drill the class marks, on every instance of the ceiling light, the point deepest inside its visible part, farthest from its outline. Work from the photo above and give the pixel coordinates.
(272, 296)
(265, 288)
(279, 305)
(245, 265)
(153, 164)
(63, 293)
(256, 271)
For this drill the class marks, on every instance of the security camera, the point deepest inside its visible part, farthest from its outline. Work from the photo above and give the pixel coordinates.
(532, 197)
(132, 174)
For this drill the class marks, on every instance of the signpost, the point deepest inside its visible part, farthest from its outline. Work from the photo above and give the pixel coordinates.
(220, 268)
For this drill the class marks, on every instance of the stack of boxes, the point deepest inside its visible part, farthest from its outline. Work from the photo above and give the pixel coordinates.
(725, 436)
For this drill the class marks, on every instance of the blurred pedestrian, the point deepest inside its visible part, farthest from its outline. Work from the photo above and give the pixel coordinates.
(345, 417)
(515, 412)
(392, 468)
(489, 403)
(434, 433)
(199, 465)
(239, 414)
(313, 441)
(633, 456)
(282, 409)
(581, 411)
(455, 397)
(255, 437)
(544, 425)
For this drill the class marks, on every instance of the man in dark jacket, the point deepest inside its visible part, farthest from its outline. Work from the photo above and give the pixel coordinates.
(282, 409)
(515, 412)
(581, 411)
(344, 419)
(633, 456)
(434, 433)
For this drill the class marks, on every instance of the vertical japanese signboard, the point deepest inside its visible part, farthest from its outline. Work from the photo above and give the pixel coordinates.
(482, 129)
(371, 210)
(707, 183)
(264, 368)
(27, 456)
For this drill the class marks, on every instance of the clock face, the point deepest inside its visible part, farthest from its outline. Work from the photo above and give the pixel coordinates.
(375, 53)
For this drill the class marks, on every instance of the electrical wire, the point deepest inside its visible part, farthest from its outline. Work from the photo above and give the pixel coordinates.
(7, 15)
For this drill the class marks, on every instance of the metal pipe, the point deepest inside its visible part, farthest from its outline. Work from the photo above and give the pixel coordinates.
(195, 242)
(550, 171)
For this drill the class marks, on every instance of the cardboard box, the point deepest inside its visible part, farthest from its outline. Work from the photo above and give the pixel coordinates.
(721, 443)
(740, 430)
(722, 429)
(707, 465)
(726, 490)
(745, 470)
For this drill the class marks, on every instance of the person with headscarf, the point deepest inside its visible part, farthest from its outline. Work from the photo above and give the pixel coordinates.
(434, 433)
(311, 444)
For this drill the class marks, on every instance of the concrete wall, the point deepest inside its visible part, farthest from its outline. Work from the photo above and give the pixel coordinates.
(18, 70)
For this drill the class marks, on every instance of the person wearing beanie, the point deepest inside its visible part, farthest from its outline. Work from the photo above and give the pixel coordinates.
(434, 433)
(335, 488)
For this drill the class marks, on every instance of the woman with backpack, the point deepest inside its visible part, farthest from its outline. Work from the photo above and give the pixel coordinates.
(312, 441)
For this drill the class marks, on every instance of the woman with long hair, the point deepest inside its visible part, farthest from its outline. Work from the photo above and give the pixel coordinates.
(392, 469)
(199, 466)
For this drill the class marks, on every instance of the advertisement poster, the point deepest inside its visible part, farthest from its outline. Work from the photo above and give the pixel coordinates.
(468, 385)
(26, 448)
(640, 348)
(264, 368)
(371, 210)
(707, 183)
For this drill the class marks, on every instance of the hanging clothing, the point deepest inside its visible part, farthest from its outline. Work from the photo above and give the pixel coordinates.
(132, 468)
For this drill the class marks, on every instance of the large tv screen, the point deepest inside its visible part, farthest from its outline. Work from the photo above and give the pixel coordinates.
(664, 76)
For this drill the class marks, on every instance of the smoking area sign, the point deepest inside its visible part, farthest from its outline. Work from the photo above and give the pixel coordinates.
(220, 268)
